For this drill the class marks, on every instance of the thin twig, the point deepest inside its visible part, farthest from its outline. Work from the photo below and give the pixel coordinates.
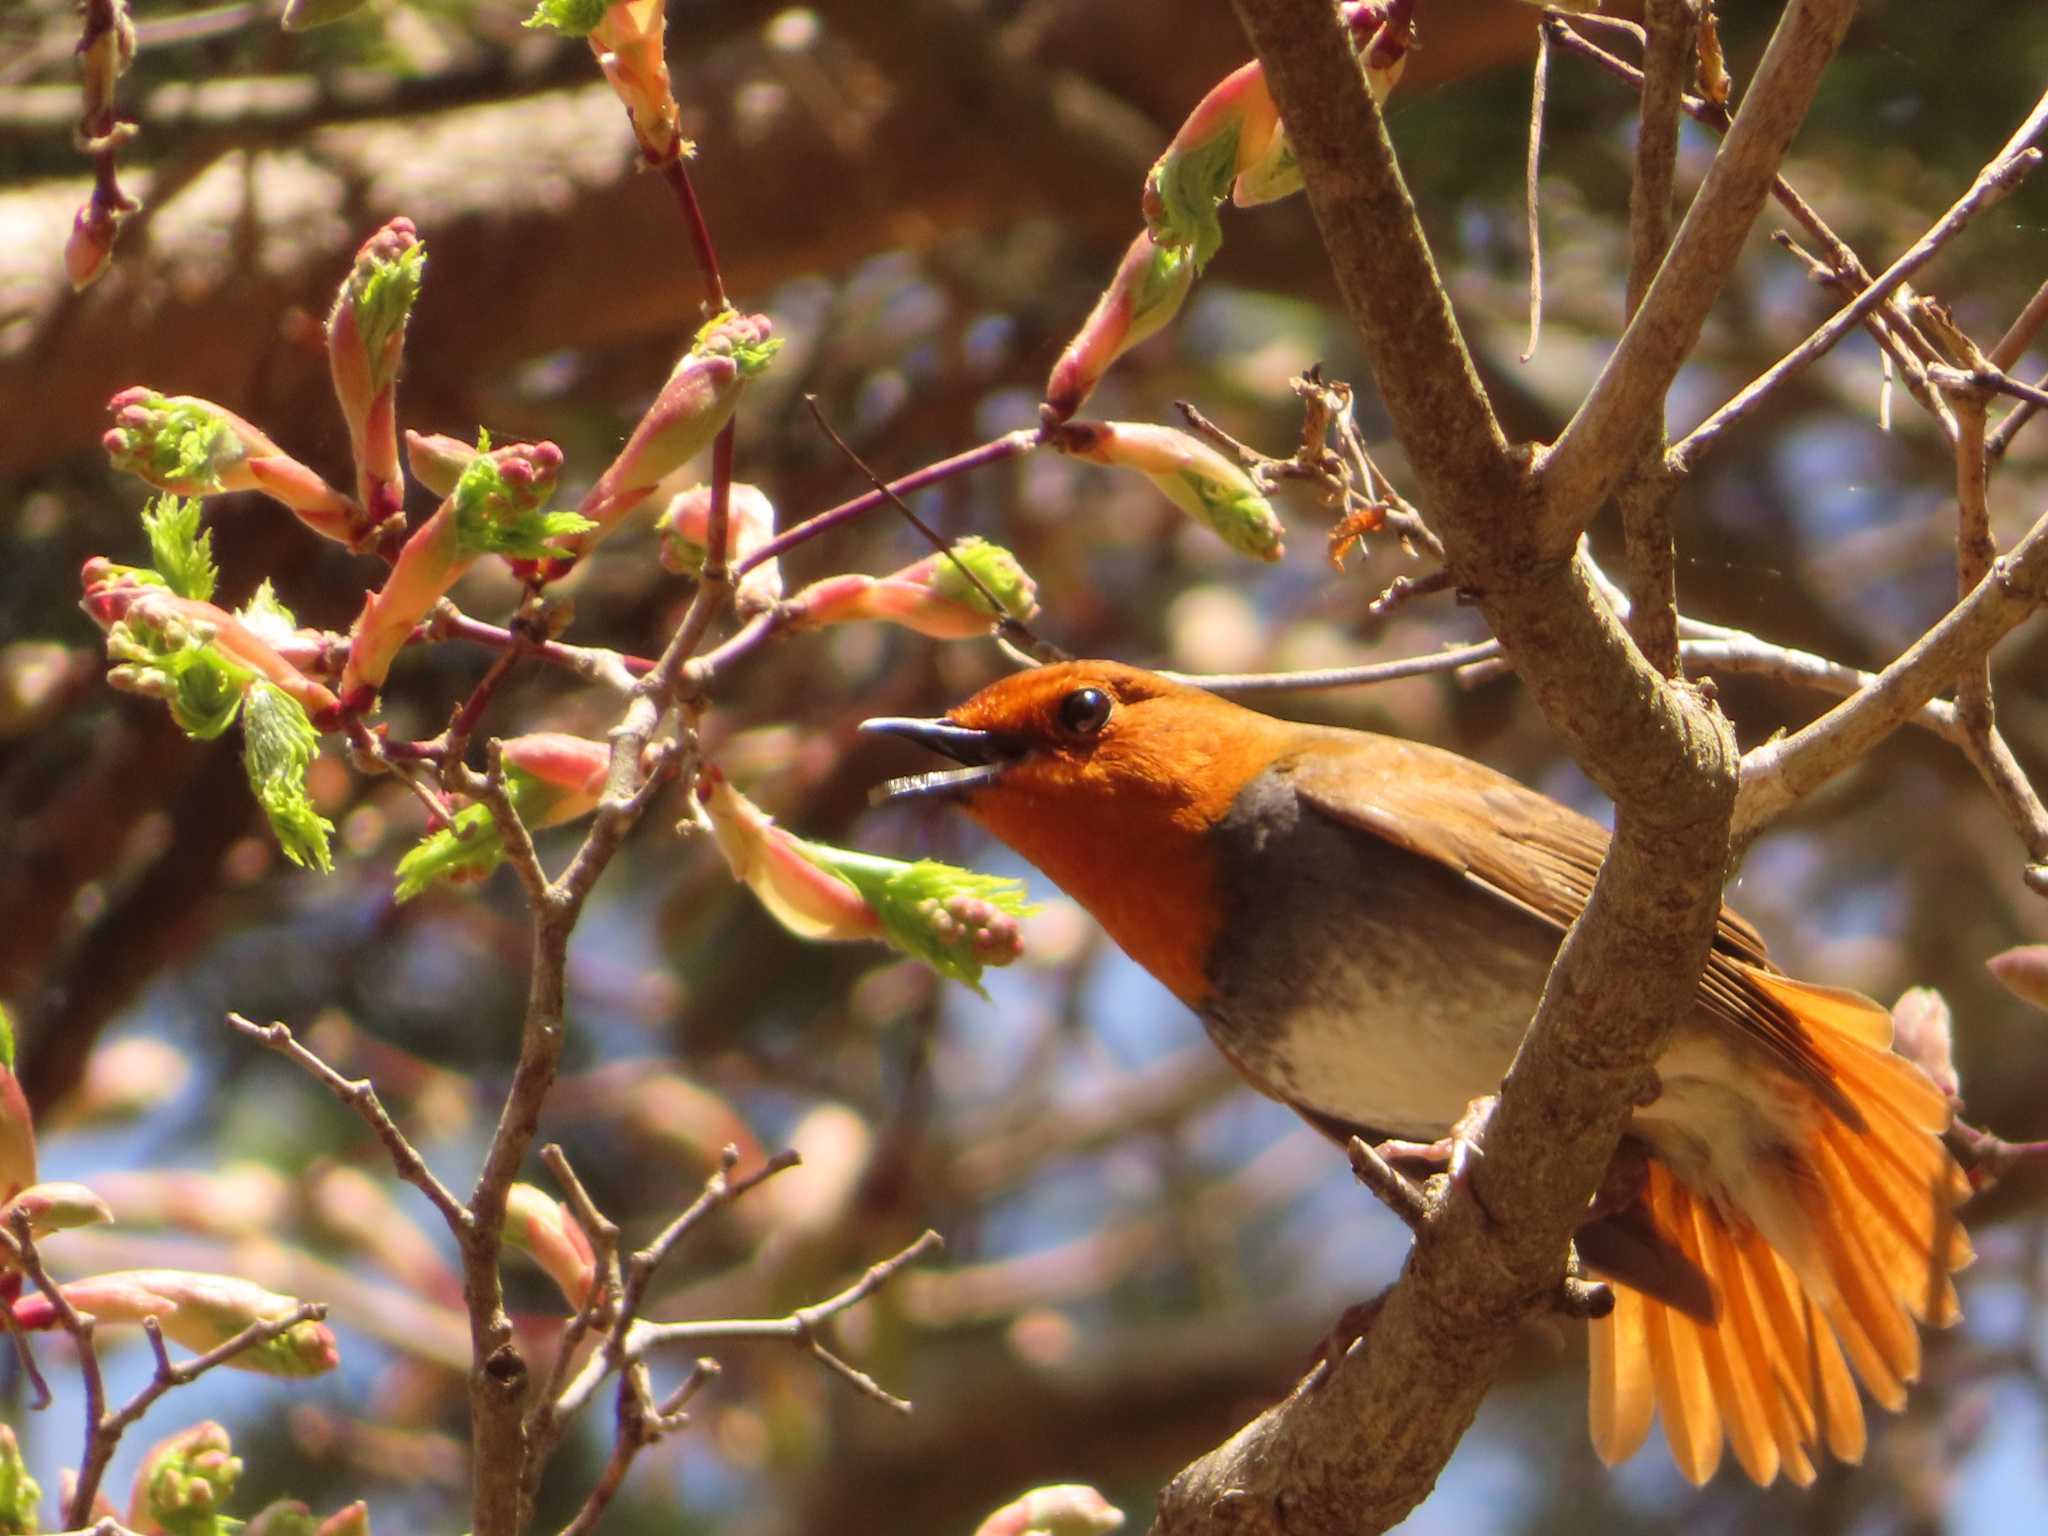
(1395, 1190)
(1539, 92)
(360, 1095)
(1009, 446)
(1992, 183)
(1577, 471)
(1781, 771)
(170, 1374)
(1000, 618)
(1842, 265)
(1646, 490)
(2012, 346)
(92, 1463)
(2009, 427)
(801, 1326)
(1339, 677)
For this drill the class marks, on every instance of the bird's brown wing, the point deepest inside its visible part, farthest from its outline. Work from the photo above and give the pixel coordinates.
(1528, 849)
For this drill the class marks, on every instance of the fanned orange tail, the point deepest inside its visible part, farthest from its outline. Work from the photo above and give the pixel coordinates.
(1879, 1238)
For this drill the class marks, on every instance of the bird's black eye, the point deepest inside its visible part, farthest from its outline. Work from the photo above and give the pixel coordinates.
(1083, 712)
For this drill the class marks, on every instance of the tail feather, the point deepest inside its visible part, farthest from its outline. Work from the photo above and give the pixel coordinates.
(1756, 1349)
(1619, 1372)
(1740, 1373)
(1812, 1372)
(1872, 1196)
(1685, 1395)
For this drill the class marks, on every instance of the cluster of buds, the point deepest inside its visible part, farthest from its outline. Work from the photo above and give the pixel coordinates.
(691, 409)
(199, 1311)
(1234, 144)
(192, 447)
(184, 1483)
(550, 777)
(1195, 477)
(365, 345)
(542, 1227)
(954, 920)
(685, 528)
(163, 641)
(496, 508)
(628, 38)
(952, 594)
(211, 666)
(1150, 283)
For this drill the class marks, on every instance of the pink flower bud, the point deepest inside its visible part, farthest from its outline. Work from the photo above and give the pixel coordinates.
(17, 1135)
(954, 920)
(437, 460)
(350, 1520)
(691, 409)
(931, 596)
(365, 342)
(494, 509)
(2024, 972)
(1065, 1509)
(1194, 476)
(90, 246)
(573, 766)
(629, 40)
(192, 447)
(199, 1311)
(1922, 1032)
(1232, 127)
(1150, 283)
(57, 1207)
(685, 526)
(543, 1227)
(810, 902)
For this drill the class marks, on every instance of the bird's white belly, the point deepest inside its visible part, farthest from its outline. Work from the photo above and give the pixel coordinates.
(1390, 1039)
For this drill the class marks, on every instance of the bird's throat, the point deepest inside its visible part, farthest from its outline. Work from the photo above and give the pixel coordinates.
(1150, 881)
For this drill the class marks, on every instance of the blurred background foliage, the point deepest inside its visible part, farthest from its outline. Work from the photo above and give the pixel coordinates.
(927, 197)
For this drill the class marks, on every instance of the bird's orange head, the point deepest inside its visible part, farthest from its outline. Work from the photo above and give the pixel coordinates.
(1109, 779)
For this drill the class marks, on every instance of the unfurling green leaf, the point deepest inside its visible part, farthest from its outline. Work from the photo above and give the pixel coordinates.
(468, 848)
(278, 746)
(571, 18)
(498, 510)
(954, 920)
(182, 555)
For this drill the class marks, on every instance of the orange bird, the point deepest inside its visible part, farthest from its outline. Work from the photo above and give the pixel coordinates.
(1364, 925)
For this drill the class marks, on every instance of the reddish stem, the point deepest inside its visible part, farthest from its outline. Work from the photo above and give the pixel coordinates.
(1008, 446)
(676, 173)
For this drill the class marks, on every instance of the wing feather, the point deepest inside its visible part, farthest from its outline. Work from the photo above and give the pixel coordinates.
(1524, 848)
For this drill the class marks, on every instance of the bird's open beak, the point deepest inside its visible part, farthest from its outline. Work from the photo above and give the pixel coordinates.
(982, 754)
